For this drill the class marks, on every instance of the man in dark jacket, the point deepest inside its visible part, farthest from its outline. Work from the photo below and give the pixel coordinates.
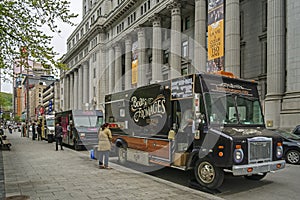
(33, 131)
(39, 131)
(58, 136)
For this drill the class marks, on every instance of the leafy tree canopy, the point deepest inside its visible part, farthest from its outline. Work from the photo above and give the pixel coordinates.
(21, 34)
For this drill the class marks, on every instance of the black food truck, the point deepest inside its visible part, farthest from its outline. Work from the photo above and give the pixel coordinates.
(205, 122)
(80, 128)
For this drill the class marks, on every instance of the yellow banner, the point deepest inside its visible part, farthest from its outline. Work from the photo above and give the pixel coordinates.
(216, 40)
(134, 72)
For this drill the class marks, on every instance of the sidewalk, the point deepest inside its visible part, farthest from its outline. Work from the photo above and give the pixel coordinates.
(35, 169)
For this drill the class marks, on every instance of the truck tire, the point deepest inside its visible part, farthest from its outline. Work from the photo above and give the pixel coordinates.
(208, 175)
(122, 155)
(293, 157)
(256, 177)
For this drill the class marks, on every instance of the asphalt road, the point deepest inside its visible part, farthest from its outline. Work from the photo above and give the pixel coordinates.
(280, 185)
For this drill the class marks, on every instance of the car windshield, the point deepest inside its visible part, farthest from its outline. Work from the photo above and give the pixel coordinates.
(287, 135)
(233, 109)
(88, 121)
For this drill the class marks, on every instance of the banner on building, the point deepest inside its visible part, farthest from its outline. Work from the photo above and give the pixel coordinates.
(134, 63)
(215, 37)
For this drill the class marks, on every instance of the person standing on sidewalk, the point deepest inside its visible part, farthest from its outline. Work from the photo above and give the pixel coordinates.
(104, 146)
(39, 131)
(33, 131)
(58, 136)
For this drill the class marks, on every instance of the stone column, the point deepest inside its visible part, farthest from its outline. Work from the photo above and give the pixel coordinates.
(128, 60)
(111, 69)
(291, 101)
(104, 77)
(141, 57)
(75, 96)
(200, 36)
(71, 93)
(275, 60)
(68, 92)
(175, 58)
(232, 37)
(118, 68)
(65, 93)
(100, 74)
(85, 85)
(80, 88)
(157, 59)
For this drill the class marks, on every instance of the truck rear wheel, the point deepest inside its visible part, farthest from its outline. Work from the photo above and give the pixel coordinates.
(256, 177)
(208, 175)
(122, 155)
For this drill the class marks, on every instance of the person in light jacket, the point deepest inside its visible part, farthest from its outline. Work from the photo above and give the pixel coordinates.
(104, 146)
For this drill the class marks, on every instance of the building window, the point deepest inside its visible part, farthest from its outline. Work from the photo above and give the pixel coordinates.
(184, 71)
(185, 49)
(142, 10)
(166, 57)
(264, 15)
(242, 25)
(149, 5)
(81, 32)
(94, 72)
(187, 23)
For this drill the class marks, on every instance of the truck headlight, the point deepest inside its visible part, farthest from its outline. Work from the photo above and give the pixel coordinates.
(279, 151)
(238, 155)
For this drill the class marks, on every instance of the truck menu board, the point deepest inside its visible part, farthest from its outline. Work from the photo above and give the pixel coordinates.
(182, 87)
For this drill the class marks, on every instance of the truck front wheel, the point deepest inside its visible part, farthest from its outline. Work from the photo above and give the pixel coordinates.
(208, 175)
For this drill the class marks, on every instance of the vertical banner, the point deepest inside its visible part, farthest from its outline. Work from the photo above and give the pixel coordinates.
(215, 39)
(134, 63)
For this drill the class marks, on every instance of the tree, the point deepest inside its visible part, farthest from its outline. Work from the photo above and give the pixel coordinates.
(21, 34)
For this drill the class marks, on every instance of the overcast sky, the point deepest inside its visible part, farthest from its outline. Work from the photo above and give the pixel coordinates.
(59, 41)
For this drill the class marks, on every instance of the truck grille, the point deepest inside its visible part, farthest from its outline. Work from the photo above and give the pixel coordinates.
(259, 149)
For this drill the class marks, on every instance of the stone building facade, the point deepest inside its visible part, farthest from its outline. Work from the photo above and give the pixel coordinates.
(169, 38)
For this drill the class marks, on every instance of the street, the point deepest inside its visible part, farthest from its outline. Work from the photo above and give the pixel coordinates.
(283, 184)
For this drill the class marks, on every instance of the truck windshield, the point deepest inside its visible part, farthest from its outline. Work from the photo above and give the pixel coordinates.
(233, 109)
(50, 122)
(88, 121)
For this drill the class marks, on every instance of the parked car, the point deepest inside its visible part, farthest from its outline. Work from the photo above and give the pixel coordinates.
(296, 131)
(291, 146)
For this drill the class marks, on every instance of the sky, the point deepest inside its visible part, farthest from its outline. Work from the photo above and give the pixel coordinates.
(59, 41)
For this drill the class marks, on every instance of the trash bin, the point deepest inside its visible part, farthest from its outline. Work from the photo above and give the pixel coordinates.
(50, 138)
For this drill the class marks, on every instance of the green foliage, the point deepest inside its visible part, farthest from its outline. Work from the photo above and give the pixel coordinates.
(5, 101)
(21, 23)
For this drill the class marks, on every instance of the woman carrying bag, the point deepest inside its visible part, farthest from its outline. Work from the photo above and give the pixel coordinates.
(104, 146)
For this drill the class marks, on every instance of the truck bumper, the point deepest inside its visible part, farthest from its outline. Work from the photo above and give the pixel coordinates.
(239, 170)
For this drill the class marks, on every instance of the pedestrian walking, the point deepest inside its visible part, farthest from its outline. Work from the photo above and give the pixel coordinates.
(104, 146)
(10, 128)
(23, 131)
(39, 131)
(58, 136)
(33, 131)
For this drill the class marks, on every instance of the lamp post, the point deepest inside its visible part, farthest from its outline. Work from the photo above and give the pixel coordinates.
(27, 104)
